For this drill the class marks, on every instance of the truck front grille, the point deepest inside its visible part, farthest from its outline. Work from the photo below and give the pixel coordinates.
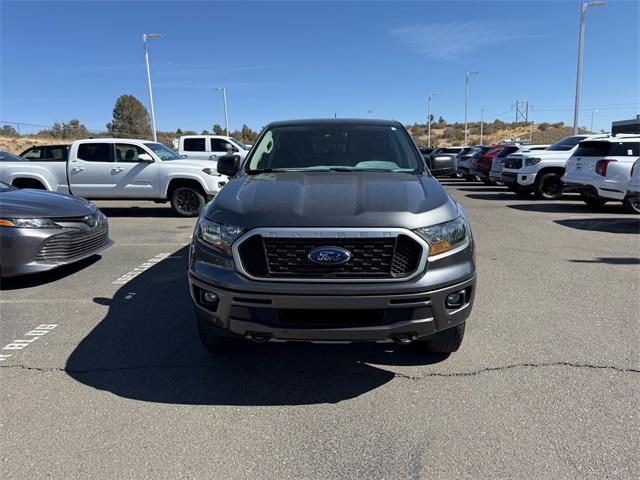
(66, 246)
(394, 257)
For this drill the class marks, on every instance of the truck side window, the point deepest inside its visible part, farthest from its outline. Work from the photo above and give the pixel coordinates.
(220, 145)
(55, 154)
(194, 145)
(95, 152)
(34, 153)
(126, 152)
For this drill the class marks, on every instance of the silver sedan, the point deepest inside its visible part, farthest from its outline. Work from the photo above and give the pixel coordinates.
(42, 230)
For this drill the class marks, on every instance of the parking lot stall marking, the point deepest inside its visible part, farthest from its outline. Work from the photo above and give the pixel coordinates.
(140, 268)
(24, 342)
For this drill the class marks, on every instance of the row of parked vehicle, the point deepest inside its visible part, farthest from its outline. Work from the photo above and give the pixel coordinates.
(600, 168)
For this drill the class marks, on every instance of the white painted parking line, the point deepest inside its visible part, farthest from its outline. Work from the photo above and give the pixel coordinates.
(140, 268)
(26, 340)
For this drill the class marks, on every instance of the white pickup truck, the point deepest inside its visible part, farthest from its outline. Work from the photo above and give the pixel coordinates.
(209, 147)
(119, 169)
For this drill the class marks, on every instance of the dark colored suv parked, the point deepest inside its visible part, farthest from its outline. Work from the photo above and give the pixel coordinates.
(332, 230)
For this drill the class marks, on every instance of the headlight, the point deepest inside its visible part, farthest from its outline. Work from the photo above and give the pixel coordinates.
(210, 171)
(445, 236)
(28, 223)
(217, 235)
(531, 161)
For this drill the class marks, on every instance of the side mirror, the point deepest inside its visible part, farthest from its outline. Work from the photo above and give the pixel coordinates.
(229, 148)
(145, 157)
(228, 165)
(213, 157)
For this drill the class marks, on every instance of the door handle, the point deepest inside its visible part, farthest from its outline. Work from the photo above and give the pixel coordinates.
(117, 169)
(77, 169)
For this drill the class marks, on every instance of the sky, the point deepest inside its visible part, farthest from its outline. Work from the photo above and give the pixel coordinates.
(305, 59)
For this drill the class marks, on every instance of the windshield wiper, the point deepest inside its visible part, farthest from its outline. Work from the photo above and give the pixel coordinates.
(267, 170)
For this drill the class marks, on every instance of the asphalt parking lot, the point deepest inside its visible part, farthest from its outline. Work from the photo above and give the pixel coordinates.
(106, 377)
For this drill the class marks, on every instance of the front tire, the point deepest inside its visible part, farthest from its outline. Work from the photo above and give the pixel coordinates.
(446, 341)
(548, 187)
(187, 201)
(632, 205)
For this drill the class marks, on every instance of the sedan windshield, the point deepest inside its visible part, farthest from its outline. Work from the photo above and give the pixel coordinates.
(335, 147)
(163, 152)
(10, 157)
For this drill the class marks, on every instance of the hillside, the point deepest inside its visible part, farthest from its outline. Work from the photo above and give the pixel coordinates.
(446, 135)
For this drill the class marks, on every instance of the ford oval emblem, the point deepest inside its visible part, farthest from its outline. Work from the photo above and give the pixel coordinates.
(329, 256)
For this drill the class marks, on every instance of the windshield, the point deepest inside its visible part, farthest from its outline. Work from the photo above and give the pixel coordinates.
(5, 187)
(240, 144)
(336, 147)
(566, 144)
(449, 150)
(163, 152)
(10, 157)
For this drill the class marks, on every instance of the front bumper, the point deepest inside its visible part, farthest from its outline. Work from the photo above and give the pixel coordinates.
(517, 178)
(21, 250)
(495, 175)
(284, 316)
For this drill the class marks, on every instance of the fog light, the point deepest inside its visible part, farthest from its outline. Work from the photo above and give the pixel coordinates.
(455, 300)
(210, 298)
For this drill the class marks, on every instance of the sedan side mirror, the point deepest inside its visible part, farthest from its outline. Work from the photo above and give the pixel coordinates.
(146, 158)
(213, 157)
(228, 165)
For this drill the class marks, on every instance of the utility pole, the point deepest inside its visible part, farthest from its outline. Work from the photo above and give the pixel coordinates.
(429, 119)
(145, 37)
(466, 104)
(481, 126)
(226, 116)
(593, 110)
(583, 14)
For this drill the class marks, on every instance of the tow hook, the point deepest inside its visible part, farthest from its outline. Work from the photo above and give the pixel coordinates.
(403, 339)
(259, 337)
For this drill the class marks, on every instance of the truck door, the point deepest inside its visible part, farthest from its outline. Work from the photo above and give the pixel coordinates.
(135, 178)
(91, 171)
(219, 147)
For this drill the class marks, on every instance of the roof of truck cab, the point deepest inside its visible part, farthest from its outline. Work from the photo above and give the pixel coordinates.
(333, 121)
(114, 140)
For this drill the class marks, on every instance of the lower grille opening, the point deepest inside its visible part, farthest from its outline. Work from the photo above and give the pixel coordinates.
(328, 318)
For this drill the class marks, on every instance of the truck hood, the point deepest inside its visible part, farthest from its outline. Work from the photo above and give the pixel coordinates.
(332, 199)
(29, 203)
(545, 154)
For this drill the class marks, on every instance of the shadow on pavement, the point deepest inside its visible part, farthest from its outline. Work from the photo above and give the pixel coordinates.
(37, 279)
(552, 207)
(147, 348)
(158, 212)
(608, 225)
(483, 188)
(612, 260)
(505, 195)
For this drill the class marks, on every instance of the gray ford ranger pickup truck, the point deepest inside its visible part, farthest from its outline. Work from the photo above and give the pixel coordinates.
(332, 231)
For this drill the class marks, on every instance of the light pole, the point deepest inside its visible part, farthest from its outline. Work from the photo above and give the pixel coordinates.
(146, 36)
(531, 132)
(583, 14)
(593, 110)
(481, 125)
(429, 118)
(226, 117)
(466, 103)
(370, 112)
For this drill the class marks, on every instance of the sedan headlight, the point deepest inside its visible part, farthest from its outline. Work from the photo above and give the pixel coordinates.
(444, 237)
(531, 161)
(217, 235)
(28, 223)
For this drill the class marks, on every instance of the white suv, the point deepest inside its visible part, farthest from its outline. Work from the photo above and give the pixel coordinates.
(498, 161)
(210, 147)
(600, 170)
(540, 172)
(633, 187)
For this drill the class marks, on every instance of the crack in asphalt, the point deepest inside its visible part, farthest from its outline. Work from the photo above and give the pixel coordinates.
(400, 375)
